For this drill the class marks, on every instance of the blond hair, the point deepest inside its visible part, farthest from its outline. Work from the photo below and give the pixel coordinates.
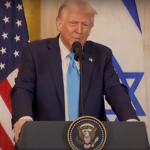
(80, 5)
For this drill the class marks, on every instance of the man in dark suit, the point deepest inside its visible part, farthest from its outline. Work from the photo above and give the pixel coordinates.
(42, 91)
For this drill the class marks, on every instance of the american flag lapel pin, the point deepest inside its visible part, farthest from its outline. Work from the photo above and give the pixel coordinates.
(90, 59)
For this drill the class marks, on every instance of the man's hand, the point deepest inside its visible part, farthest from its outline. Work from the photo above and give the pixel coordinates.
(18, 126)
(131, 120)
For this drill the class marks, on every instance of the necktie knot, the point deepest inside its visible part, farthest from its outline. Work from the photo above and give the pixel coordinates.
(71, 56)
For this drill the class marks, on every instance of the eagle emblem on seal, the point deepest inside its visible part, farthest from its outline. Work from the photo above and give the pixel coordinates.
(87, 135)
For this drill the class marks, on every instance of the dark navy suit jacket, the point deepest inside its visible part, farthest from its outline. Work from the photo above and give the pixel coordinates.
(39, 90)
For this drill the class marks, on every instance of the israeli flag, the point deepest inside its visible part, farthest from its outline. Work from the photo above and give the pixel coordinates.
(117, 26)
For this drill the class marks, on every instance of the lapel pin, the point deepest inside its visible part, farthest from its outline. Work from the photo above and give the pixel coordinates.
(90, 59)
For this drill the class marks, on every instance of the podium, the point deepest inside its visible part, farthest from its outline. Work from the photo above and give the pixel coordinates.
(52, 135)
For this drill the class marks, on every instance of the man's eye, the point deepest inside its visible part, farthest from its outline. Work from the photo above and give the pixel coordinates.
(72, 23)
(85, 25)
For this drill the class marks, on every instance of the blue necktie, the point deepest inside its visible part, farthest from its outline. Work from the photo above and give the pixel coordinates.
(73, 88)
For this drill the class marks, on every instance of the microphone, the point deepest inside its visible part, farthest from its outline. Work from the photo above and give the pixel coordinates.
(79, 56)
(77, 49)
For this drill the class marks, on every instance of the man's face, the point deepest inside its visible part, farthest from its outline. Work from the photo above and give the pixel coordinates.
(74, 27)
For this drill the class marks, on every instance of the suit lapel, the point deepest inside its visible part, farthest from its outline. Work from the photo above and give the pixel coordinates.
(55, 65)
(88, 63)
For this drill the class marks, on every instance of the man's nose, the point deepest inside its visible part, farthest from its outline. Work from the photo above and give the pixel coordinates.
(79, 29)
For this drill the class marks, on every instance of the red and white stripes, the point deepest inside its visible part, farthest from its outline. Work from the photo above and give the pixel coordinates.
(6, 133)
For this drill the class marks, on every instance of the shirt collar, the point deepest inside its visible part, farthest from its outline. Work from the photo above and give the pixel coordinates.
(63, 50)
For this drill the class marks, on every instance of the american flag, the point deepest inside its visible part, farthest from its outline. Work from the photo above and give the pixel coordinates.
(13, 35)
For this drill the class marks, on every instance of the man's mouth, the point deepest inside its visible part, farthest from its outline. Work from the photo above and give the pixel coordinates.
(77, 39)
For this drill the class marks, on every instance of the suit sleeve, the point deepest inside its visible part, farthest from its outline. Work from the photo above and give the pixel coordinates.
(117, 94)
(22, 94)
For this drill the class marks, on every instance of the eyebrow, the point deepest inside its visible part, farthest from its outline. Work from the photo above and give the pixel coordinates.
(81, 22)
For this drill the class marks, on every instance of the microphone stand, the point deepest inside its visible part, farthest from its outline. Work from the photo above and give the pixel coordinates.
(78, 55)
(81, 82)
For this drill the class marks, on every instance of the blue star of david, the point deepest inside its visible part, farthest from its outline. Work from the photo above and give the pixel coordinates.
(128, 75)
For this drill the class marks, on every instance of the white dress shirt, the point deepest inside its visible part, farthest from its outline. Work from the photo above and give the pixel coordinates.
(65, 63)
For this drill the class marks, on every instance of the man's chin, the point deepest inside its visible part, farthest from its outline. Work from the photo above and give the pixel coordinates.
(75, 40)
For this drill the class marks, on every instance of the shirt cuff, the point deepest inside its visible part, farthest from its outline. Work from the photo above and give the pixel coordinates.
(26, 117)
(129, 120)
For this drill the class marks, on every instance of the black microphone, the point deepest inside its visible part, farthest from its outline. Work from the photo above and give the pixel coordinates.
(79, 56)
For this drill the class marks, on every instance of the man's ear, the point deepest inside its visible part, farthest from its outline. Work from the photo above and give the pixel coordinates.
(59, 24)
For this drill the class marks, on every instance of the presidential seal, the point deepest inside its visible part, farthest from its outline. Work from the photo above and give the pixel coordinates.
(87, 133)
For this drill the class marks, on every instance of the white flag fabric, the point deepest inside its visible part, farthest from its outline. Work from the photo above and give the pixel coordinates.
(117, 26)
